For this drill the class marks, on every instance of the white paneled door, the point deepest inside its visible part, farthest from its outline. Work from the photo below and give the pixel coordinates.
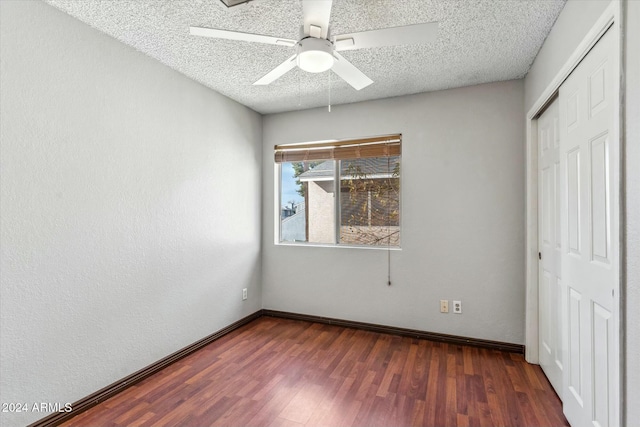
(589, 169)
(550, 290)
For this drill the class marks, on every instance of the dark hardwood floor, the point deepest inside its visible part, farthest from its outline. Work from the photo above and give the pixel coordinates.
(276, 372)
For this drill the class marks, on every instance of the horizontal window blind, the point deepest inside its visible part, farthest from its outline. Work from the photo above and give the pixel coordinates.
(379, 146)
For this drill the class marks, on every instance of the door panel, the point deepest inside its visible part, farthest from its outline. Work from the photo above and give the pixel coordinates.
(575, 355)
(573, 197)
(589, 210)
(559, 343)
(599, 199)
(601, 319)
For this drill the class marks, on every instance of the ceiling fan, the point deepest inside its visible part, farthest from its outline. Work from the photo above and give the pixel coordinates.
(317, 50)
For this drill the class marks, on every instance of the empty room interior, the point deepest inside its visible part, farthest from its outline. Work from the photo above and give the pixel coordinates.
(316, 212)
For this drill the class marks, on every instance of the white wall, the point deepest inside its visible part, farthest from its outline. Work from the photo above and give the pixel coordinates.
(130, 214)
(462, 218)
(633, 211)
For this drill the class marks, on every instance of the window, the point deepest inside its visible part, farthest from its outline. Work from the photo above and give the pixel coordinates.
(340, 192)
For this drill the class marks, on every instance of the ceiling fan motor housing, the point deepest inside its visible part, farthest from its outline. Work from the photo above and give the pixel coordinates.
(315, 55)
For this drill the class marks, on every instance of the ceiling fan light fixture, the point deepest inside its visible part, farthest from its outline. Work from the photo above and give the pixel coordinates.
(315, 55)
(231, 3)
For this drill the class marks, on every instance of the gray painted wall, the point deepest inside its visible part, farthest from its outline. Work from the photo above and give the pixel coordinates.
(462, 216)
(122, 240)
(572, 25)
(575, 20)
(632, 36)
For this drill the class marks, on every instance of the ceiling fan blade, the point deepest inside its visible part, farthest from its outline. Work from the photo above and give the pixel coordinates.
(315, 17)
(235, 35)
(406, 35)
(349, 73)
(277, 72)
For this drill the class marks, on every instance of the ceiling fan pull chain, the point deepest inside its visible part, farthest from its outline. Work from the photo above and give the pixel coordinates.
(299, 88)
(329, 73)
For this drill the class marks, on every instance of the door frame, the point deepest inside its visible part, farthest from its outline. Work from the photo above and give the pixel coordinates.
(611, 14)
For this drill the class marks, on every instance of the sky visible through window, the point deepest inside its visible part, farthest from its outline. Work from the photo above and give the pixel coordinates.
(289, 186)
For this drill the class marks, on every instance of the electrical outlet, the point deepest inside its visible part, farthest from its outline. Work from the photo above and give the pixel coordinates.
(244, 294)
(444, 306)
(457, 307)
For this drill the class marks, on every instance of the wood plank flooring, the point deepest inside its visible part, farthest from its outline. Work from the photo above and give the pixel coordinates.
(277, 372)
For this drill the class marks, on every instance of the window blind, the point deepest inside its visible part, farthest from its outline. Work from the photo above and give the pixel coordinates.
(379, 146)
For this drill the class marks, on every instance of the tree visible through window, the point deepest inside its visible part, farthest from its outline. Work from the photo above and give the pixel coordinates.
(345, 192)
(370, 201)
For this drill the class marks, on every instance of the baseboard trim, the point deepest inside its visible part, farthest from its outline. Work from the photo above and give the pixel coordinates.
(432, 336)
(120, 385)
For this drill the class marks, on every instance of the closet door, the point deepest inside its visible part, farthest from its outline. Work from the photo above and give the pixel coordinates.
(589, 154)
(550, 289)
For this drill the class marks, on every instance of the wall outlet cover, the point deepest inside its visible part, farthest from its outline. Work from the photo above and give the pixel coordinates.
(457, 307)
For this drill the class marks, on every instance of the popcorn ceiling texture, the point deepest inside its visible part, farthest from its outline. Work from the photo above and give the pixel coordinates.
(479, 41)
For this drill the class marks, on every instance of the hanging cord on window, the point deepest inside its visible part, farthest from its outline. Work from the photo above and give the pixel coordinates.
(389, 222)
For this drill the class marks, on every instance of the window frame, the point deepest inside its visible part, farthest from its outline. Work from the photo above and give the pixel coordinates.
(337, 214)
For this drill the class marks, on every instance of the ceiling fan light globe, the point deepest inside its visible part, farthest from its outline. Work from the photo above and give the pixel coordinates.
(315, 61)
(315, 55)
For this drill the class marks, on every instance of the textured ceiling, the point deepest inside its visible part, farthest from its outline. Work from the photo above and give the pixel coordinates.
(479, 41)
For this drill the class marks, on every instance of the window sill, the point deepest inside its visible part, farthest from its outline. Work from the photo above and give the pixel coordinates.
(329, 245)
